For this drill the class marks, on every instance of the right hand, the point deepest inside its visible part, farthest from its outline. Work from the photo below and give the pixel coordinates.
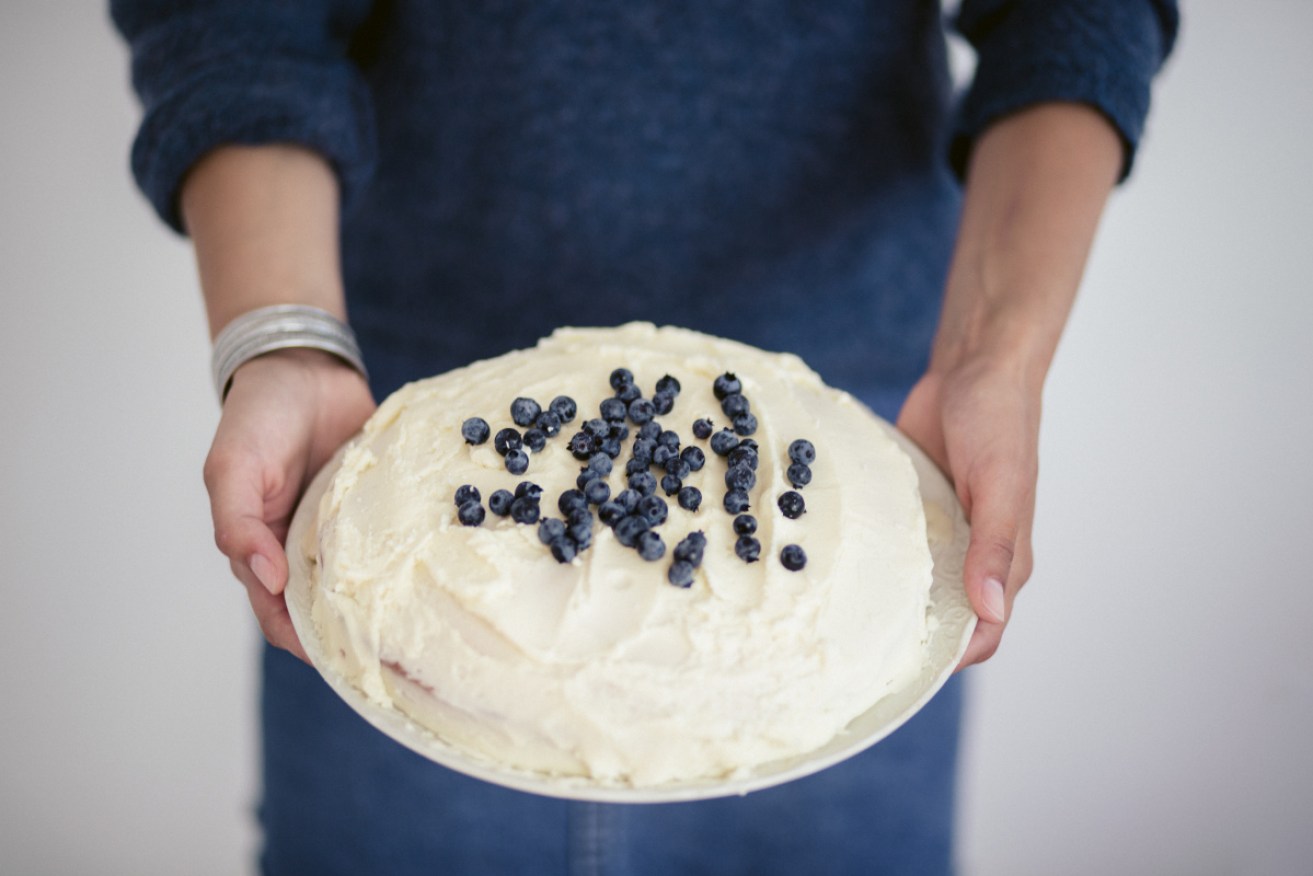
(286, 413)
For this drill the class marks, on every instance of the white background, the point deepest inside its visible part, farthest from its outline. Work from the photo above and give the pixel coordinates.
(1149, 713)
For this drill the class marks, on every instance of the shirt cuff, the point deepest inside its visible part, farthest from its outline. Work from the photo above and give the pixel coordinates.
(321, 106)
(1103, 54)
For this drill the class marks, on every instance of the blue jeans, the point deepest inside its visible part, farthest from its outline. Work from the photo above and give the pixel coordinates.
(340, 797)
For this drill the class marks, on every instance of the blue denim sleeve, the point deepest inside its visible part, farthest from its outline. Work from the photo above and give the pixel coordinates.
(1102, 53)
(214, 72)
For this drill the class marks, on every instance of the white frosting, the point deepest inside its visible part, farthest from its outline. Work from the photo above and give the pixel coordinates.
(600, 668)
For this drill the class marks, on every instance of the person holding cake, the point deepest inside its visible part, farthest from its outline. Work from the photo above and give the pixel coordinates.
(465, 178)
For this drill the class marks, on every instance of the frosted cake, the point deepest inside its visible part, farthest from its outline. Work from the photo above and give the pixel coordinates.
(634, 556)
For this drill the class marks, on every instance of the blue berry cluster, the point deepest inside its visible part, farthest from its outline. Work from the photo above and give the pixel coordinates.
(802, 453)
(538, 424)
(657, 468)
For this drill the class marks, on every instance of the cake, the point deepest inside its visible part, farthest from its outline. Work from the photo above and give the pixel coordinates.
(685, 645)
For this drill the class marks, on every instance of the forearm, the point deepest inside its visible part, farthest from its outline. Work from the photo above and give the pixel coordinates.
(264, 221)
(1036, 186)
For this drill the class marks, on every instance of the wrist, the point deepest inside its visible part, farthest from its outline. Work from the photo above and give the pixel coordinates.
(1015, 334)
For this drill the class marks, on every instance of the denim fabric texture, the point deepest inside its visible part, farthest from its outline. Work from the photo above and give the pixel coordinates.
(341, 798)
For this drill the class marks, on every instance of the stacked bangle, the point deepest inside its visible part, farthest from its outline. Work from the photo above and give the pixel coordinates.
(280, 327)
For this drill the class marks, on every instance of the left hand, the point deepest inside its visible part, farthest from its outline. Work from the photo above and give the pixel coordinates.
(979, 421)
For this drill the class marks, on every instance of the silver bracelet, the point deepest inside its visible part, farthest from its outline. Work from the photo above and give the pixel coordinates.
(280, 327)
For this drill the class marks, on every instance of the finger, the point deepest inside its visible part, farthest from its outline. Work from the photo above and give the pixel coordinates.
(271, 613)
(987, 636)
(236, 487)
(999, 503)
(984, 642)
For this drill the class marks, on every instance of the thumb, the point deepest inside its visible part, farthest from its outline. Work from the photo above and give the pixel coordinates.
(997, 511)
(237, 505)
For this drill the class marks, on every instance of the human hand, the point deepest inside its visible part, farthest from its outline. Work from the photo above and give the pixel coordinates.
(979, 421)
(286, 413)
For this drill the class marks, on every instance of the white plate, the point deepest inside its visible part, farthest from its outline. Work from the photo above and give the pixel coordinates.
(951, 627)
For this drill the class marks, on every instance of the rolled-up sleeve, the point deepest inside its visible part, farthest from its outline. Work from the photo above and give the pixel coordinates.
(233, 72)
(1102, 53)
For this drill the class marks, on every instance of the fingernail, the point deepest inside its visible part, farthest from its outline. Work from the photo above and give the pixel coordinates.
(993, 598)
(263, 570)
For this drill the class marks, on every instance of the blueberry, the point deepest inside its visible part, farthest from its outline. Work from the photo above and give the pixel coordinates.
(601, 463)
(525, 510)
(564, 407)
(745, 424)
(676, 466)
(570, 500)
(611, 447)
(628, 500)
(802, 451)
(663, 454)
(690, 498)
(499, 502)
(681, 573)
(581, 533)
(621, 377)
(740, 477)
(749, 443)
(466, 493)
(643, 449)
(581, 445)
(577, 516)
(736, 502)
(649, 431)
(792, 505)
(793, 557)
(668, 438)
(475, 430)
(629, 393)
(517, 461)
(630, 528)
(799, 475)
(641, 411)
(530, 489)
(563, 549)
(653, 508)
(586, 477)
(690, 548)
(597, 427)
(726, 384)
(663, 403)
(471, 513)
(735, 405)
(748, 549)
(550, 529)
(550, 423)
(524, 411)
(742, 456)
(650, 546)
(635, 465)
(723, 442)
(507, 440)
(702, 429)
(610, 512)
(618, 430)
(613, 409)
(693, 457)
(745, 524)
(643, 483)
(535, 439)
(672, 484)
(597, 492)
